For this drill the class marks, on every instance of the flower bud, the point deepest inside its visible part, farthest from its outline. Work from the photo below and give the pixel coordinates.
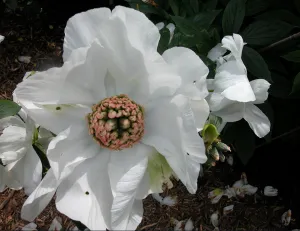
(286, 217)
(214, 153)
(223, 147)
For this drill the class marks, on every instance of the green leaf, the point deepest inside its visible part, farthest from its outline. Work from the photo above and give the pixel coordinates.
(240, 134)
(255, 64)
(147, 8)
(210, 4)
(296, 85)
(214, 34)
(187, 7)
(186, 26)
(174, 4)
(8, 108)
(293, 56)
(205, 19)
(195, 5)
(281, 86)
(297, 4)
(265, 32)
(233, 16)
(12, 4)
(283, 15)
(255, 6)
(164, 40)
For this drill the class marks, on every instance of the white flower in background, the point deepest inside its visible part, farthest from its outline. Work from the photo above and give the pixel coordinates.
(22, 166)
(114, 105)
(215, 195)
(241, 188)
(234, 97)
(171, 27)
(30, 226)
(184, 225)
(56, 224)
(228, 209)
(1, 38)
(286, 217)
(189, 225)
(214, 219)
(270, 191)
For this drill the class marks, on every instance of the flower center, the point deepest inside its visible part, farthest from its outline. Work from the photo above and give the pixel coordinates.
(116, 122)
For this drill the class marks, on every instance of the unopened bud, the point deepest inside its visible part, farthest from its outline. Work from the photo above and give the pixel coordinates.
(230, 160)
(214, 153)
(222, 157)
(223, 147)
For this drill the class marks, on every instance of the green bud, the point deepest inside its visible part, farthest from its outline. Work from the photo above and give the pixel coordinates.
(209, 133)
(222, 157)
(223, 147)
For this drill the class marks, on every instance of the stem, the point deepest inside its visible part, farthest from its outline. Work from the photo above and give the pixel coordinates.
(278, 137)
(294, 36)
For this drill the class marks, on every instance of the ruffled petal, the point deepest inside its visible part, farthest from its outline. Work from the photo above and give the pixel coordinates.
(235, 44)
(83, 28)
(201, 112)
(70, 148)
(171, 129)
(257, 120)
(191, 69)
(216, 52)
(231, 81)
(260, 88)
(85, 195)
(40, 197)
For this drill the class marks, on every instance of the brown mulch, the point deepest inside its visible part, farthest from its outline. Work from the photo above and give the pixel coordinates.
(44, 45)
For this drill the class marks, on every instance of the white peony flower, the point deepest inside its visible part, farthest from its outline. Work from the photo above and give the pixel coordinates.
(234, 97)
(22, 166)
(1, 38)
(270, 191)
(114, 104)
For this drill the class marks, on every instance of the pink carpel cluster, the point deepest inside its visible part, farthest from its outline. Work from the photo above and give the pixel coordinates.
(116, 122)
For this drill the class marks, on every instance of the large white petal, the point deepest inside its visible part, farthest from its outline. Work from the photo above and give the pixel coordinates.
(235, 44)
(191, 69)
(85, 195)
(170, 128)
(70, 148)
(260, 88)
(83, 28)
(40, 197)
(257, 120)
(134, 162)
(141, 32)
(216, 52)
(201, 112)
(231, 81)
(11, 121)
(136, 215)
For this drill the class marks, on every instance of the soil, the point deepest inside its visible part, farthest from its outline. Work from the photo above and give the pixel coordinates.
(43, 44)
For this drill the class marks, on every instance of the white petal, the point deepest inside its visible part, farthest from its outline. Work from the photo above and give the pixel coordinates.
(260, 88)
(235, 44)
(191, 69)
(70, 148)
(228, 110)
(1, 38)
(40, 197)
(210, 84)
(2, 178)
(160, 25)
(13, 144)
(257, 120)
(171, 28)
(11, 121)
(83, 28)
(30, 226)
(171, 129)
(141, 32)
(85, 195)
(201, 112)
(216, 52)
(136, 215)
(189, 226)
(231, 81)
(28, 171)
(122, 161)
(127, 186)
(249, 189)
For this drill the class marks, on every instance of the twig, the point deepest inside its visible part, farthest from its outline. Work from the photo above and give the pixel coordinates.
(294, 36)
(10, 195)
(147, 226)
(278, 137)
